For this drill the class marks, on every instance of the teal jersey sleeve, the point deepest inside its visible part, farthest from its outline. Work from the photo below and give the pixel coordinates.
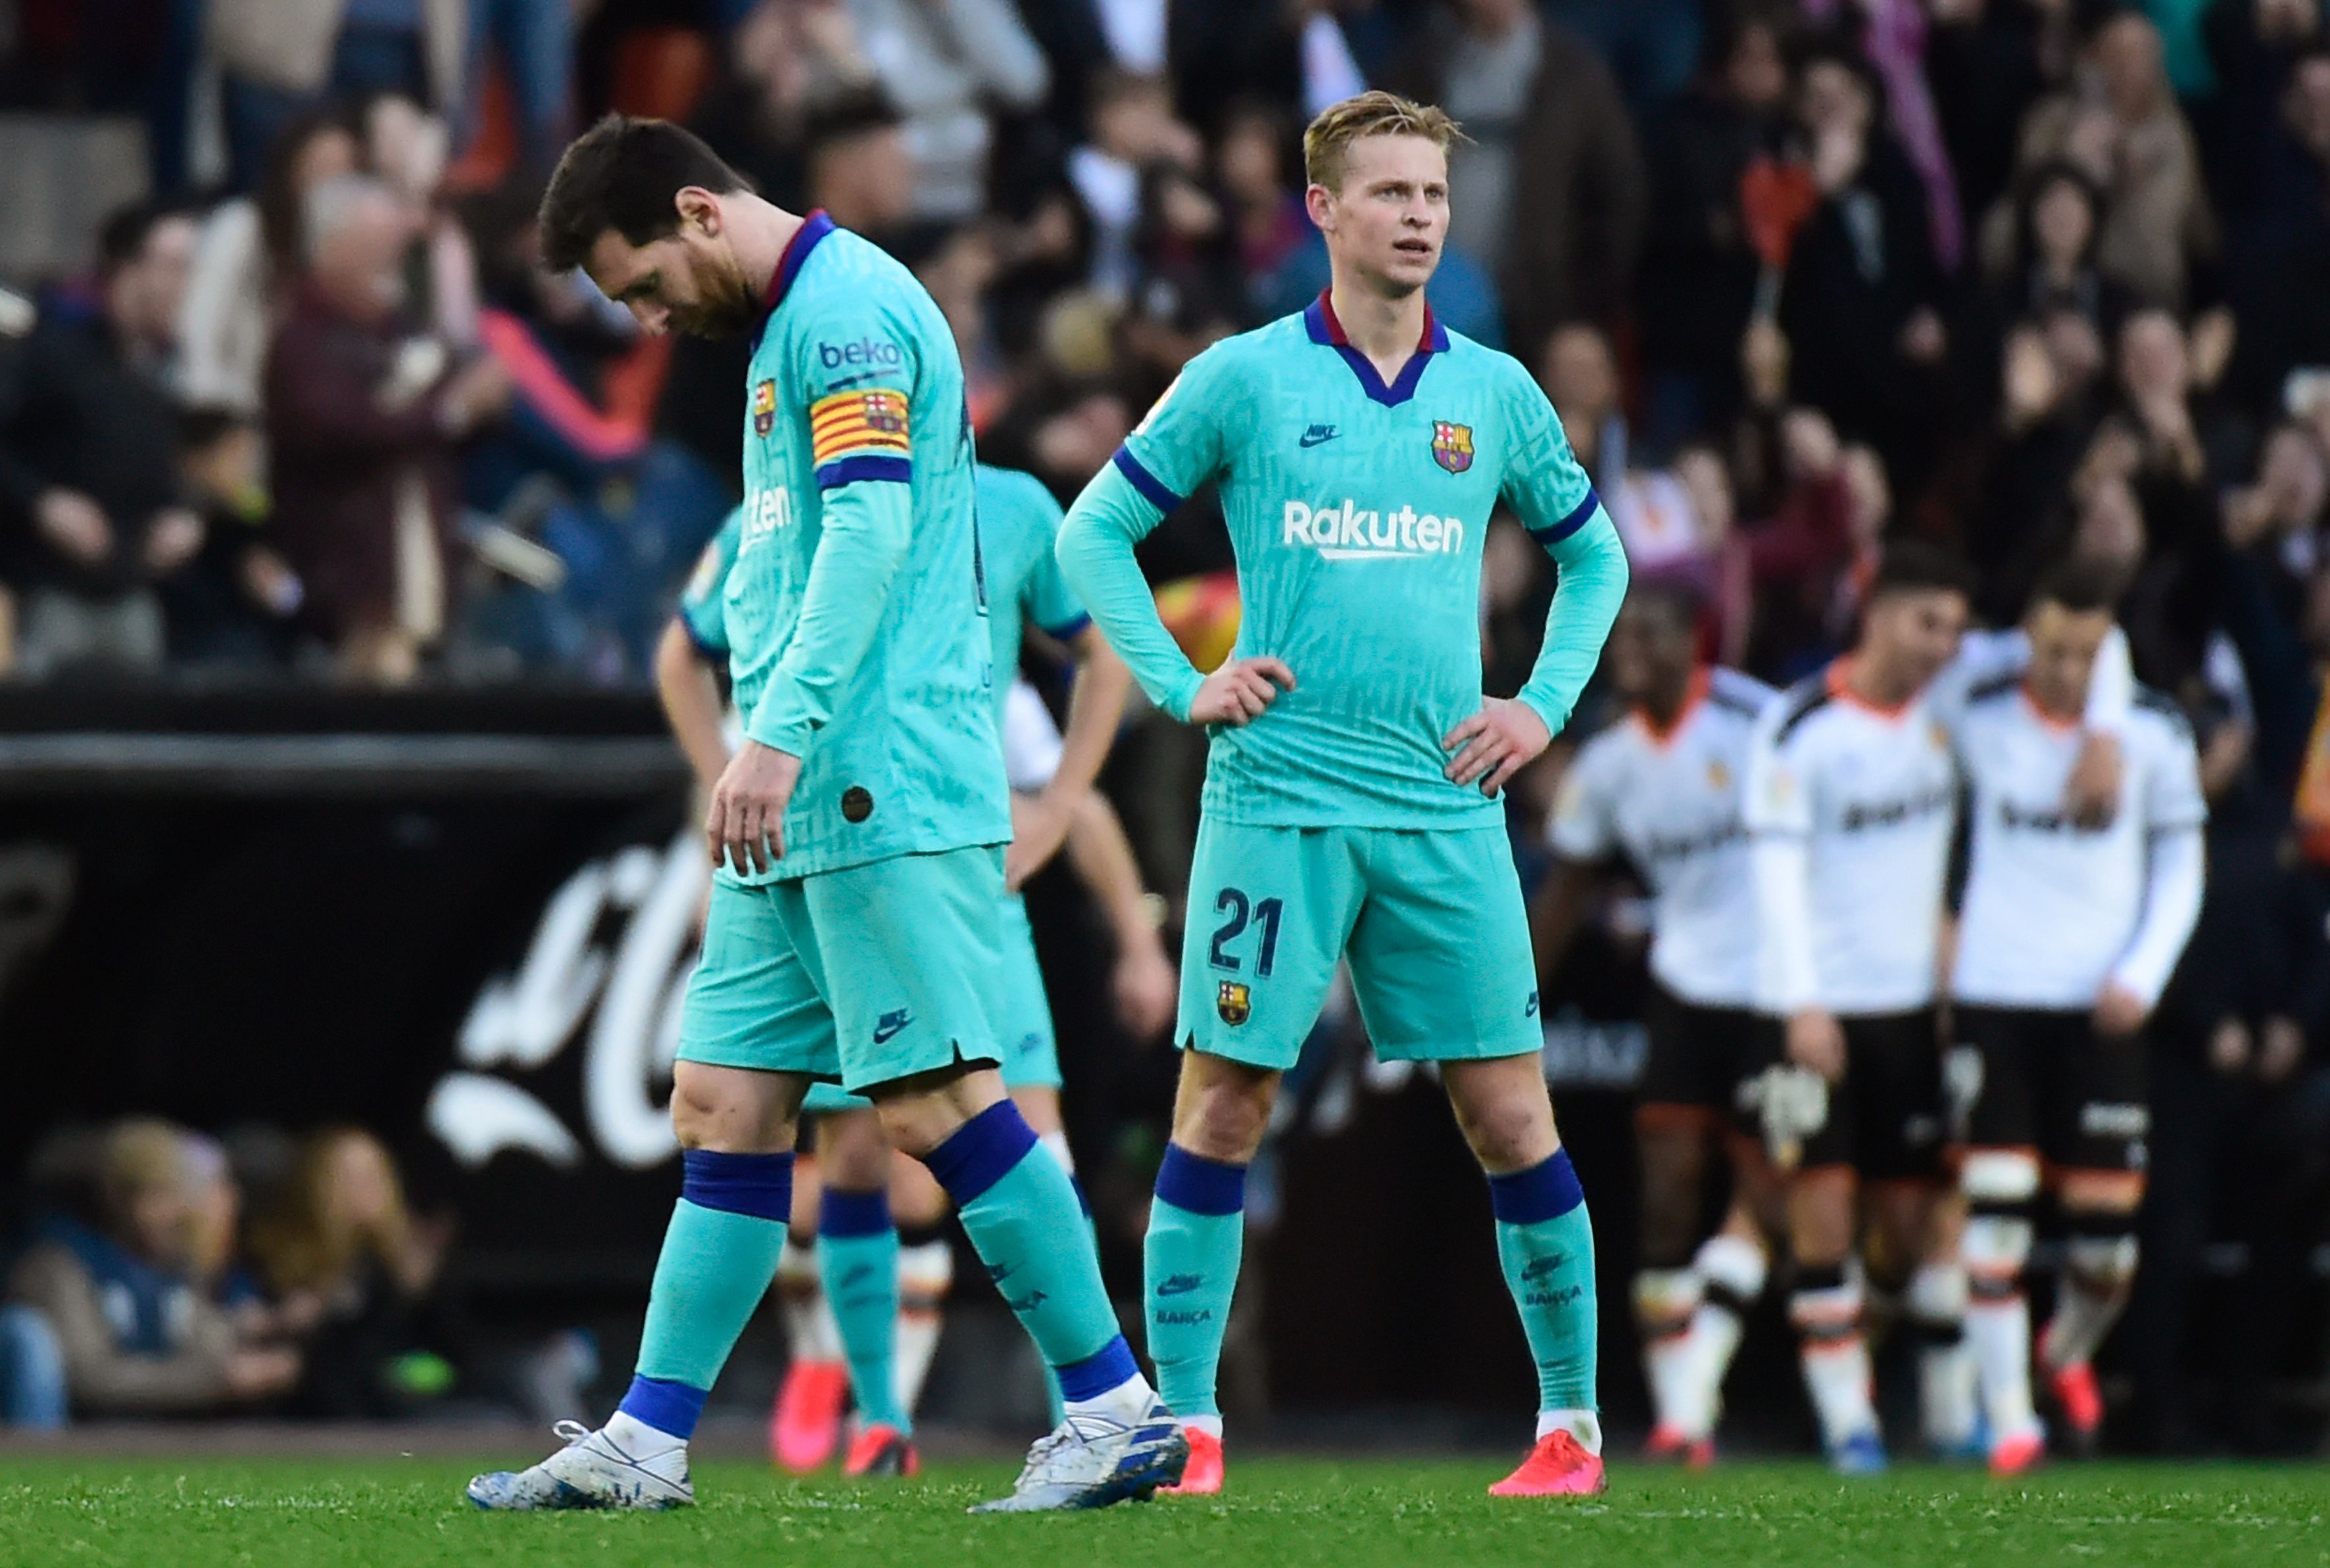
(703, 602)
(1547, 488)
(1019, 523)
(1180, 446)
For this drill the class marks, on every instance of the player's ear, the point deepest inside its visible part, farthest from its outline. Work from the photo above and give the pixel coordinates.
(1320, 202)
(699, 209)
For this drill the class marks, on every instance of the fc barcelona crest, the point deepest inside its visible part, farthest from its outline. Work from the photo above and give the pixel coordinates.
(764, 407)
(1234, 1002)
(1452, 446)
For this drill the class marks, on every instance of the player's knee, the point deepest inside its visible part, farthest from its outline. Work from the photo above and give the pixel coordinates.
(1999, 1186)
(1224, 1120)
(712, 1111)
(1508, 1119)
(1820, 1217)
(856, 1156)
(2101, 1251)
(1672, 1167)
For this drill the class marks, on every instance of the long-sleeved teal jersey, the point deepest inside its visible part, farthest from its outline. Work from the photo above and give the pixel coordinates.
(1357, 511)
(855, 612)
(1018, 523)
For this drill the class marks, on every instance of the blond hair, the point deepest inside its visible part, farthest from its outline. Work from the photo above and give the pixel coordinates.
(1328, 140)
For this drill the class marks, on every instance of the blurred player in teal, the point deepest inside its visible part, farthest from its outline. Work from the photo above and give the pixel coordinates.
(1351, 804)
(864, 1272)
(852, 933)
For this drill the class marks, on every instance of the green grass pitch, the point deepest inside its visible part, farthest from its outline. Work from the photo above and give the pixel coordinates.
(1282, 1514)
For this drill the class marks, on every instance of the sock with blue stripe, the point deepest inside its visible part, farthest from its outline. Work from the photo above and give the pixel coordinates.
(1546, 1243)
(1020, 1211)
(857, 1257)
(719, 1253)
(1197, 1234)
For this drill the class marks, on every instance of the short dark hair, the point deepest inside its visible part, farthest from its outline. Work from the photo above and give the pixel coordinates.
(847, 115)
(122, 239)
(1674, 597)
(2082, 584)
(1920, 566)
(623, 174)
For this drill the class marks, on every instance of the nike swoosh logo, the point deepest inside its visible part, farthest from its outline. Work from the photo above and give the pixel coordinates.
(1178, 1284)
(1315, 438)
(890, 1024)
(1540, 1267)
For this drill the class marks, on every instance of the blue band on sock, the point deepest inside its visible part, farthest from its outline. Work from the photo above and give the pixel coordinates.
(1094, 1375)
(759, 1185)
(982, 1152)
(667, 1406)
(843, 1214)
(1543, 1192)
(1200, 1185)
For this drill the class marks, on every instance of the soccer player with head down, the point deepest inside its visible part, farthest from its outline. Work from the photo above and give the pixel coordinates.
(1351, 800)
(853, 931)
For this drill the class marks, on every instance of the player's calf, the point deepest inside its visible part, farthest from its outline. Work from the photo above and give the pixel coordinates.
(2099, 1260)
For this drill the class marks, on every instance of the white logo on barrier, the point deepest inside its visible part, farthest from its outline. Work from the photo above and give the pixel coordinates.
(629, 990)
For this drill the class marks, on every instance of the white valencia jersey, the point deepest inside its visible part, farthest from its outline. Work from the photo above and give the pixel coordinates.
(1670, 802)
(1868, 798)
(1031, 741)
(2053, 910)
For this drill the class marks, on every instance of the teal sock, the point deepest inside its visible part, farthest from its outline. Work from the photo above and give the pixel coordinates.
(719, 1253)
(1546, 1243)
(1020, 1211)
(858, 1257)
(1197, 1233)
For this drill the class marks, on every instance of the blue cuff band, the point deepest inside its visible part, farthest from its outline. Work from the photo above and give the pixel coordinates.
(1200, 1185)
(1545, 1191)
(841, 1215)
(849, 471)
(1151, 489)
(669, 1407)
(1094, 1375)
(982, 1152)
(1068, 630)
(704, 650)
(759, 1185)
(1556, 533)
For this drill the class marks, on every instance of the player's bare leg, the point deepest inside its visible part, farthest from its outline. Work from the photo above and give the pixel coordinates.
(2099, 1209)
(805, 1426)
(735, 1130)
(1197, 1234)
(1023, 1217)
(1826, 1311)
(1545, 1241)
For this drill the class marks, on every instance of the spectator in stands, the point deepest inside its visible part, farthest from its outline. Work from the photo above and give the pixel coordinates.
(276, 57)
(950, 65)
(92, 513)
(365, 408)
(533, 40)
(137, 1337)
(1697, 278)
(2278, 222)
(340, 1236)
(1255, 161)
(236, 606)
(1551, 194)
(247, 256)
(1989, 61)
(2120, 124)
(404, 148)
(1134, 132)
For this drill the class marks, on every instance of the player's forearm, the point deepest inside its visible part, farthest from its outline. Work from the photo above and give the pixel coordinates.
(1782, 866)
(1586, 600)
(1095, 555)
(691, 702)
(867, 527)
(1103, 858)
(2111, 690)
(2172, 906)
(1095, 707)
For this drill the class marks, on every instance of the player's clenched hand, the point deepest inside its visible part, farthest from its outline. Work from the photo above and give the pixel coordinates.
(745, 821)
(1494, 743)
(1039, 826)
(2119, 1012)
(1816, 1041)
(1238, 691)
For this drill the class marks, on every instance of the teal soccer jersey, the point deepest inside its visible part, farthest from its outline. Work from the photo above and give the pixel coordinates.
(1019, 522)
(1357, 511)
(703, 603)
(859, 489)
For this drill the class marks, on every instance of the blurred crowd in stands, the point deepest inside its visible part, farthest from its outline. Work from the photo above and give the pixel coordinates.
(2031, 277)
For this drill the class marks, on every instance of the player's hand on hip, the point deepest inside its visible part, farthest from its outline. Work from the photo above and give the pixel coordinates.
(1495, 743)
(2091, 796)
(745, 822)
(1238, 693)
(1816, 1042)
(2119, 1012)
(1146, 988)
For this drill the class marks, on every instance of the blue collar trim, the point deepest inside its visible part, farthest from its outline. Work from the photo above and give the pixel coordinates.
(1319, 321)
(814, 228)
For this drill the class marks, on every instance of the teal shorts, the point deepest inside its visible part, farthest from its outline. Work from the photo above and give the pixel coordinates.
(1432, 921)
(1023, 1020)
(858, 976)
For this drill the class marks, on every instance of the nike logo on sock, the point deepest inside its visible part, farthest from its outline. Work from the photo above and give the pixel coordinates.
(1538, 1268)
(1179, 1284)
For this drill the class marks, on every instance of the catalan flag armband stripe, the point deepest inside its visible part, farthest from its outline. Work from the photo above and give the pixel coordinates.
(861, 420)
